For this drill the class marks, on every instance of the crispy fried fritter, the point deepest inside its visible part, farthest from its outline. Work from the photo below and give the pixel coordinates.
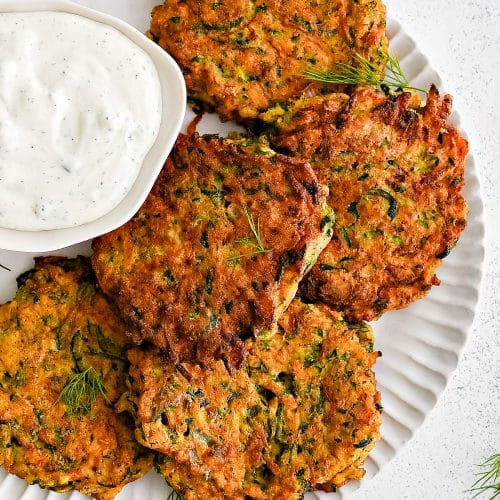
(241, 57)
(395, 173)
(217, 250)
(58, 326)
(303, 411)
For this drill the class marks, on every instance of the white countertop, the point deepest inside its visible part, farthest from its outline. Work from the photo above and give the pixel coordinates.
(462, 40)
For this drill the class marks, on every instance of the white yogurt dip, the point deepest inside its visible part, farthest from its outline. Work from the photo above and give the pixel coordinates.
(80, 107)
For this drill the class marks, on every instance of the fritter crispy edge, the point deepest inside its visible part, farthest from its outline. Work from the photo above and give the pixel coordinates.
(302, 413)
(187, 273)
(242, 57)
(395, 170)
(58, 324)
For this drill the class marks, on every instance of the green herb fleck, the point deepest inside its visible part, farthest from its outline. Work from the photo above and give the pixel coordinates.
(209, 281)
(345, 236)
(425, 219)
(397, 240)
(193, 314)
(213, 320)
(313, 356)
(169, 277)
(219, 27)
(319, 332)
(195, 394)
(364, 443)
(204, 240)
(86, 290)
(325, 221)
(20, 377)
(318, 407)
(304, 22)
(393, 204)
(329, 267)
(59, 297)
(353, 209)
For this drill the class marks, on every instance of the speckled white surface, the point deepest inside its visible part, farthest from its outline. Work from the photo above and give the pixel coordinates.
(462, 39)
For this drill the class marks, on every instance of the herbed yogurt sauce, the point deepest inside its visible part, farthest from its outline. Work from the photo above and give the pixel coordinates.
(80, 107)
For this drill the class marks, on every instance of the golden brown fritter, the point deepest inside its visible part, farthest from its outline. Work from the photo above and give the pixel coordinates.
(59, 333)
(240, 57)
(395, 171)
(302, 413)
(216, 252)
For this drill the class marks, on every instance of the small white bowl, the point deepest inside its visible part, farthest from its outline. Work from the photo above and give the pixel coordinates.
(173, 90)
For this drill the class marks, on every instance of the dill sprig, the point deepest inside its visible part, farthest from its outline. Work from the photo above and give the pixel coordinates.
(257, 247)
(81, 391)
(364, 73)
(173, 495)
(5, 267)
(488, 479)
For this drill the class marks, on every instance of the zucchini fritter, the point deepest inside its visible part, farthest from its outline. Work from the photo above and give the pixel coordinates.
(62, 367)
(216, 252)
(302, 413)
(240, 57)
(395, 170)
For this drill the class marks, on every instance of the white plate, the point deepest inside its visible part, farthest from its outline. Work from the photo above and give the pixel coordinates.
(421, 345)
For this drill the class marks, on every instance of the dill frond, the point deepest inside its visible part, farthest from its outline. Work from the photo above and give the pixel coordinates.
(488, 478)
(255, 231)
(173, 495)
(81, 391)
(256, 247)
(364, 73)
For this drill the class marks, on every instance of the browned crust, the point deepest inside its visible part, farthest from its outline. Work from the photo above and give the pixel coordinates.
(57, 324)
(241, 57)
(173, 269)
(363, 144)
(302, 412)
